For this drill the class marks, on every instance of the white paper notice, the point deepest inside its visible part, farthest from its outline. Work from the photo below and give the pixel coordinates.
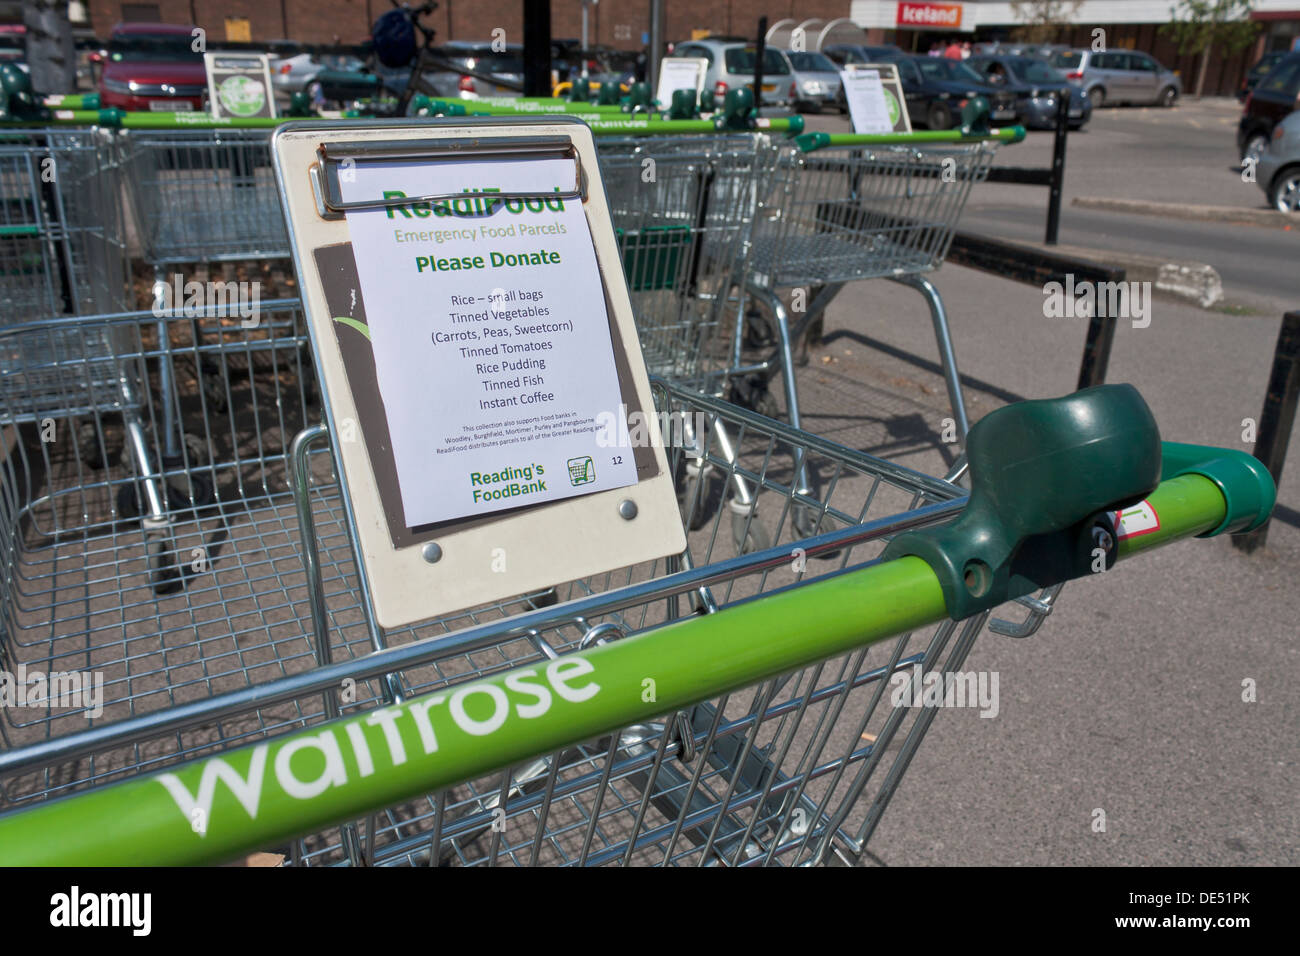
(679, 73)
(490, 335)
(866, 98)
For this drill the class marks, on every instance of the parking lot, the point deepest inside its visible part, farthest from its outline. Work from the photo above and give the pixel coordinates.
(1149, 722)
(1129, 699)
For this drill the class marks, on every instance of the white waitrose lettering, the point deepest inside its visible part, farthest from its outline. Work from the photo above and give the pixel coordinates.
(526, 691)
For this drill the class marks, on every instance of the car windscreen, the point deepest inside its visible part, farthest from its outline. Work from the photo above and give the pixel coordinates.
(1067, 59)
(153, 48)
(741, 60)
(811, 62)
(947, 71)
(1035, 71)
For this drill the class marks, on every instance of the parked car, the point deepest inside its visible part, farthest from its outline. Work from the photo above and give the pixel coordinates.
(292, 74)
(937, 88)
(1036, 87)
(152, 66)
(1272, 101)
(1257, 72)
(1119, 76)
(731, 65)
(478, 70)
(1278, 171)
(816, 81)
(13, 45)
(843, 54)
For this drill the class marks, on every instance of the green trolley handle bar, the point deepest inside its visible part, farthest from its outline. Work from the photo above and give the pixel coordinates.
(217, 808)
(808, 142)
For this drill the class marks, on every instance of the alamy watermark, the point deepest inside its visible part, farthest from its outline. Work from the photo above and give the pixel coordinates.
(946, 689)
(1121, 300)
(193, 299)
(624, 429)
(73, 690)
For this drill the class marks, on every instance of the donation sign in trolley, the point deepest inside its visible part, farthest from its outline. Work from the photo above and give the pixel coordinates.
(576, 671)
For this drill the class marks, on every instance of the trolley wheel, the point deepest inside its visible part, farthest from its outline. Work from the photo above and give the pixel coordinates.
(214, 386)
(752, 392)
(164, 574)
(760, 333)
(751, 539)
(704, 502)
(93, 454)
(131, 500)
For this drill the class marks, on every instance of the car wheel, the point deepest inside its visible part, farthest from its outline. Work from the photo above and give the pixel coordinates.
(1284, 194)
(1255, 146)
(938, 116)
(1098, 96)
(1168, 97)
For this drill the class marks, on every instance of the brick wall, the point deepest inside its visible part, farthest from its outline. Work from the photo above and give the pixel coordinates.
(617, 23)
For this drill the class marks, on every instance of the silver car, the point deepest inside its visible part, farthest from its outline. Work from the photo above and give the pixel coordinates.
(731, 66)
(1119, 76)
(816, 81)
(1278, 169)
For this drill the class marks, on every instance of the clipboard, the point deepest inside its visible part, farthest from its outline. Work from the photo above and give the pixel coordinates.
(895, 100)
(416, 572)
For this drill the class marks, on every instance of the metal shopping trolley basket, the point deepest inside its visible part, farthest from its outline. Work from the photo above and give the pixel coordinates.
(114, 557)
(710, 709)
(684, 209)
(861, 207)
(62, 241)
(203, 195)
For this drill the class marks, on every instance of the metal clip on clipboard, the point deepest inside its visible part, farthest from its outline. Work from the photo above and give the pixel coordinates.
(331, 157)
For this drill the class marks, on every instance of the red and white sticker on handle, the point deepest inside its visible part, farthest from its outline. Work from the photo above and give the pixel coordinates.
(1136, 520)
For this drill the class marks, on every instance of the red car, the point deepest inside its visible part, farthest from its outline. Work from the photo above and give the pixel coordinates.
(152, 66)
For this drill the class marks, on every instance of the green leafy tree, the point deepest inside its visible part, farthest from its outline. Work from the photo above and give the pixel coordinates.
(1041, 20)
(1198, 26)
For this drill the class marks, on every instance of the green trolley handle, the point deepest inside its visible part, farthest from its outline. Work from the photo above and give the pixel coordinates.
(216, 808)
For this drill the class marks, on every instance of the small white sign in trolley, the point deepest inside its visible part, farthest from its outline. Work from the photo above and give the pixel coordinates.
(680, 73)
(475, 339)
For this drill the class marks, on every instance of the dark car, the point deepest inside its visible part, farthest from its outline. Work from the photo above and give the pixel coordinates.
(1261, 69)
(1267, 105)
(843, 54)
(1036, 87)
(152, 66)
(936, 89)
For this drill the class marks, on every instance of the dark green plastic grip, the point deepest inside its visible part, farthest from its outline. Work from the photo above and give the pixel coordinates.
(1046, 477)
(1248, 489)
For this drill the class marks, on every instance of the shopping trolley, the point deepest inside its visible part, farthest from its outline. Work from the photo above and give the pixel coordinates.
(860, 207)
(708, 709)
(62, 246)
(118, 559)
(684, 209)
(203, 195)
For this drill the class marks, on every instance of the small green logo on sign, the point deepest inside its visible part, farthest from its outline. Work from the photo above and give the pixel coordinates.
(582, 471)
(891, 103)
(242, 96)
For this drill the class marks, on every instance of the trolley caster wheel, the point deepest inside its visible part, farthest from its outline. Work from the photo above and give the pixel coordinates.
(704, 501)
(131, 499)
(748, 539)
(165, 575)
(91, 452)
(759, 331)
(752, 393)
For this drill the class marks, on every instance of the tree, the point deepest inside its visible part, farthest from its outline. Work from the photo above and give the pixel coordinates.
(1042, 19)
(51, 58)
(1197, 26)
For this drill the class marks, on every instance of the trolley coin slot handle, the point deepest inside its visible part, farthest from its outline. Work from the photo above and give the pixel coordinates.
(336, 158)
